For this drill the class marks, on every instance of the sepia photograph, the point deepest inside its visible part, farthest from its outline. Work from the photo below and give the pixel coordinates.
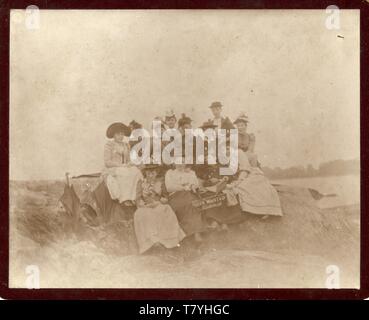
(184, 148)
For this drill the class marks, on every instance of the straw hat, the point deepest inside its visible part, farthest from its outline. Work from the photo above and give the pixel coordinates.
(242, 118)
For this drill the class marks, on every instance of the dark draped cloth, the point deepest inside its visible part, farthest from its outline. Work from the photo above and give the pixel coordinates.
(189, 217)
(70, 201)
(111, 210)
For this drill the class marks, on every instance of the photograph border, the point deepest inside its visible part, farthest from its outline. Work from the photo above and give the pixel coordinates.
(182, 294)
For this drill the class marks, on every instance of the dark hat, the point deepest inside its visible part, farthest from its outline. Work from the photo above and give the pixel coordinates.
(184, 120)
(135, 125)
(227, 124)
(216, 104)
(208, 124)
(117, 127)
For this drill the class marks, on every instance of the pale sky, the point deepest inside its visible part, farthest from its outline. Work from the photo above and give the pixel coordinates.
(82, 70)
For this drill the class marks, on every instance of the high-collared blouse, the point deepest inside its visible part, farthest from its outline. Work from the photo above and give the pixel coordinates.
(246, 141)
(176, 180)
(116, 153)
(247, 161)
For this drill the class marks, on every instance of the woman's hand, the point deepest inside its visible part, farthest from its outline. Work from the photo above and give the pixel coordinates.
(163, 200)
(214, 180)
(243, 175)
(202, 189)
(194, 188)
(232, 185)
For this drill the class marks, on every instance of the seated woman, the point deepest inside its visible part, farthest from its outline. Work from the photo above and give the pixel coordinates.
(120, 176)
(181, 184)
(219, 218)
(154, 220)
(255, 193)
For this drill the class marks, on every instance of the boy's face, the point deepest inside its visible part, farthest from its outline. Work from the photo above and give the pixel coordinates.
(216, 111)
(171, 122)
(241, 126)
(187, 126)
(151, 174)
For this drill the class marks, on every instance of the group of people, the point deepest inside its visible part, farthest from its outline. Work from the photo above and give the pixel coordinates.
(163, 196)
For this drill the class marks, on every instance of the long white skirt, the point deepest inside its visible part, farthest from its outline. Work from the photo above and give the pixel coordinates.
(256, 195)
(157, 225)
(122, 183)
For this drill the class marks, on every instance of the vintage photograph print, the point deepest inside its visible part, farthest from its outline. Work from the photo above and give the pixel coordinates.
(184, 148)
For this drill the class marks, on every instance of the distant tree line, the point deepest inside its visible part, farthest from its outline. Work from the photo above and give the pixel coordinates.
(331, 168)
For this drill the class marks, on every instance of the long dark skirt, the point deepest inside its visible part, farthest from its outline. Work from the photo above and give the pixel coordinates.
(110, 210)
(189, 217)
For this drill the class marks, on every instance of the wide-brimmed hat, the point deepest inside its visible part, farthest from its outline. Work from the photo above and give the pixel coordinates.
(117, 127)
(208, 124)
(184, 120)
(242, 118)
(216, 104)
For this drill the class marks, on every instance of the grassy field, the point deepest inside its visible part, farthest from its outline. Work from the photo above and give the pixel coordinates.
(291, 251)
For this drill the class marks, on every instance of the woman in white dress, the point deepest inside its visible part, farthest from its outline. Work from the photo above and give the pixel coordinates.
(255, 193)
(120, 175)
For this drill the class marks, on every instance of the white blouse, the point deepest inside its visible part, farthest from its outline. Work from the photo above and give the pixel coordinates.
(176, 180)
(115, 154)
